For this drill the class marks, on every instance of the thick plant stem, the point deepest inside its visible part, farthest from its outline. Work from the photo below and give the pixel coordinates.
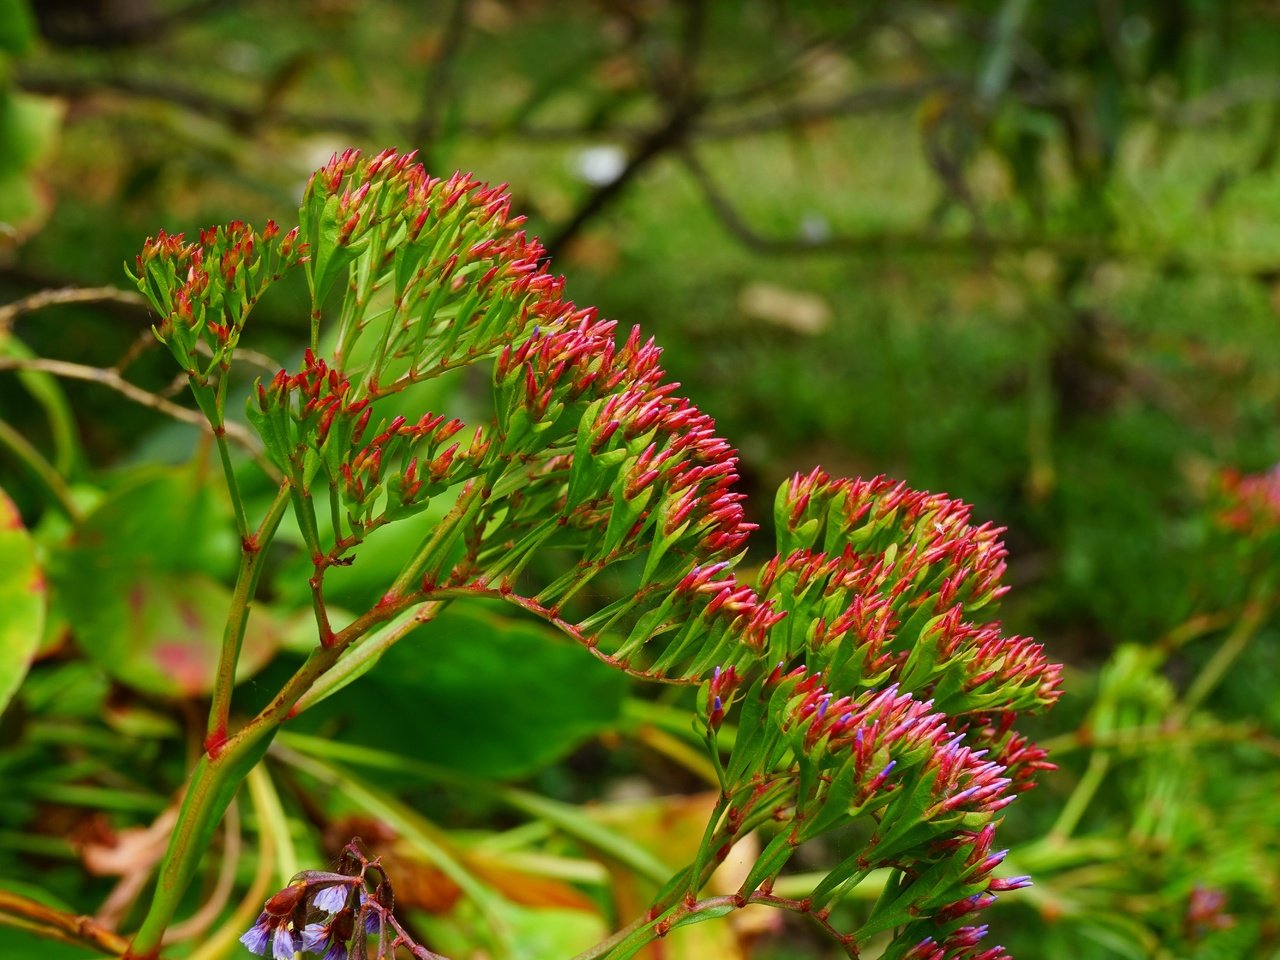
(217, 777)
(251, 552)
(213, 785)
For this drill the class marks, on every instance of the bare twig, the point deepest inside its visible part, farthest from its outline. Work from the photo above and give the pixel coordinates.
(64, 295)
(106, 32)
(659, 140)
(49, 478)
(683, 105)
(805, 112)
(45, 921)
(857, 29)
(110, 378)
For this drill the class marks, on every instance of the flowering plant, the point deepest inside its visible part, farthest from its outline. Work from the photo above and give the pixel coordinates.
(850, 690)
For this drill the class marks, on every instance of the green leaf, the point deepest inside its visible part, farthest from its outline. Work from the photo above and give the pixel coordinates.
(163, 634)
(499, 697)
(552, 932)
(22, 600)
(28, 127)
(17, 26)
(144, 581)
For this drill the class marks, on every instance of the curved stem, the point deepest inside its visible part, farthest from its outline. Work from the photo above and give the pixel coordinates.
(213, 785)
(1078, 802)
(44, 921)
(217, 777)
(54, 486)
(436, 546)
(361, 656)
(1256, 610)
(199, 922)
(233, 485)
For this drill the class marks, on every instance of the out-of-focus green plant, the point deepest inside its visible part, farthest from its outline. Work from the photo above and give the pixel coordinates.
(28, 126)
(871, 709)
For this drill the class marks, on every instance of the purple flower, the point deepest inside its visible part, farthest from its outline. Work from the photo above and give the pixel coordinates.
(321, 937)
(258, 937)
(331, 899)
(283, 945)
(314, 937)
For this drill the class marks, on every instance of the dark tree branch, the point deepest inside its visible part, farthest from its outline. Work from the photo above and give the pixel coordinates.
(69, 25)
(857, 29)
(704, 126)
(439, 82)
(683, 105)
(888, 243)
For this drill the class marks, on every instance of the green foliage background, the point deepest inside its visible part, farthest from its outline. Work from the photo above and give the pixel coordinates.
(1028, 254)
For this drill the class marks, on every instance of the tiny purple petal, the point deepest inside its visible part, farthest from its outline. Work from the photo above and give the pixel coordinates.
(336, 951)
(258, 937)
(314, 937)
(283, 947)
(332, 899)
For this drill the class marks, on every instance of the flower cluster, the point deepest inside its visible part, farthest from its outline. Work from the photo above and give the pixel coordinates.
(603, 460)
(463, 277)
(316, 914)
(1253, 501)
(205, 290)
(927, 535)
(332, 915)
(890, 701)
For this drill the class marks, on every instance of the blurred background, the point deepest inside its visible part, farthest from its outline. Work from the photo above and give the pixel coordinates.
(1027, 253)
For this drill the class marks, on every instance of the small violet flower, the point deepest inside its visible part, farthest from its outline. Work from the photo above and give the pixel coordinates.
(258, 937)
(320, 938)
(314, 936)
(283, 945)
(331, 899)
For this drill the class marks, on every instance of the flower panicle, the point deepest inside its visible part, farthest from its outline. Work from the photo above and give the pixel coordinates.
(465, 278)
(204, 290)
(878, 517)
(863, 620)
(882, 738)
